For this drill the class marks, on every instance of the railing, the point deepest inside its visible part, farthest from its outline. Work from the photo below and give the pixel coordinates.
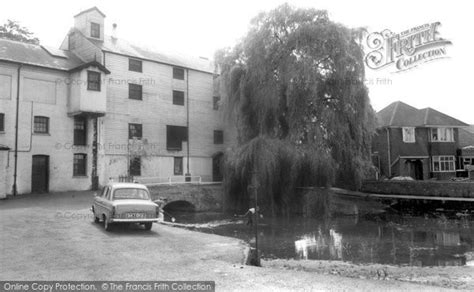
(170, 180)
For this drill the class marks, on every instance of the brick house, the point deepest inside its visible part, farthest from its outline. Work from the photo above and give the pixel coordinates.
(100, 107)
(418, 143)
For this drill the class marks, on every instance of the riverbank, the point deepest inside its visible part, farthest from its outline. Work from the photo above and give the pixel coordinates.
(445, 277)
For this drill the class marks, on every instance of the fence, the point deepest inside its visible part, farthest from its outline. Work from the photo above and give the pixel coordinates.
(170, 180)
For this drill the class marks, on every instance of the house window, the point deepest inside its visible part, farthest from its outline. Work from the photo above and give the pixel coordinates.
(218, 137)
(79, 168)
(408, 134)
(215, 103)
(95, 30)
(135, 91)
(178, 166)
(442, 135)
(178, 73)
(135, 166)
(2, 122)
(175, 135)
(178, 97)
(443, 164)
(80, 130)
(93, 80)
(41, 125)
(135, 131)
(466, 161)
(135, 65)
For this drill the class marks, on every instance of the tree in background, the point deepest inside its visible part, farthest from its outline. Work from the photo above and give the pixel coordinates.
(294, 89)
(13, 31)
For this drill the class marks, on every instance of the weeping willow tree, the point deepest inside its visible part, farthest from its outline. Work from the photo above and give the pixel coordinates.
(294, 90)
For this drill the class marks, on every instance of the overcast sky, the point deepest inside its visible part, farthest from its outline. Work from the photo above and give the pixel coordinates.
(200, 27)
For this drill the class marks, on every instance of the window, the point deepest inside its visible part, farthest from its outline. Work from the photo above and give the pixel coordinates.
(80, 164)
(443, 163)
(218, 137)
(80, 131)
(178, 166)
(466, 161)
(95, 30)
(215, 104)
(175, 135)
(442, 135)
(135, 131)
(135, 65)
(135, 166)
(178, 73)
(2, 122)
(41, 125)
(135, 91)
(408, 134)
(93, 80)
(178, 97)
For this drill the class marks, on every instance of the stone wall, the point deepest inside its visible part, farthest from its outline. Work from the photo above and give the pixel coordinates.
(207, 197)
(421, 188)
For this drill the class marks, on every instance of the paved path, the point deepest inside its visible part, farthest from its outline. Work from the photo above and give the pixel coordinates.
(52, 237)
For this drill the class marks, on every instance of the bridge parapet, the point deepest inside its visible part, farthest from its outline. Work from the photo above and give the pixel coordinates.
(202, 197)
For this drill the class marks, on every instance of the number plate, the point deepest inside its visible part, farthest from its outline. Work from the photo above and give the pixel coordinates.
(136, 215)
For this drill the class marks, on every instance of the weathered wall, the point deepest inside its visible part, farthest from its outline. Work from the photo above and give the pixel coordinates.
(155, 111)
(421, 188)
(42, 93)
(203, 197)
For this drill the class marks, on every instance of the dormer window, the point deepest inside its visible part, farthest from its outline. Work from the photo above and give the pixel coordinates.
(95, 30)
(93, 80)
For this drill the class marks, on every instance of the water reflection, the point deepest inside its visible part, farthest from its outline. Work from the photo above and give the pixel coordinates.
(331, 227)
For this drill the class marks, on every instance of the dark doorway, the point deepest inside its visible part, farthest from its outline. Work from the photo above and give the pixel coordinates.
(40, 174)
(416, 169)
(217, 161)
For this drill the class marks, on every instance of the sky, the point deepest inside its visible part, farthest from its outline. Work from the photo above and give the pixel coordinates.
(199, 28)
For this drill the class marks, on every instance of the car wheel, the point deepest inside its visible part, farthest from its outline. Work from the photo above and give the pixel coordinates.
(96, 219)
(107, 225)
(148, 225)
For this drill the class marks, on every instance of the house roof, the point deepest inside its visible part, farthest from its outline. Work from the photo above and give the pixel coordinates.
(400, 114)
(36, 55)
(123, 47)
(90, 9)
(466, 138)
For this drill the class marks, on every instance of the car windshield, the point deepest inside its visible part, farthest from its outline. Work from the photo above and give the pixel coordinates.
(138, 194)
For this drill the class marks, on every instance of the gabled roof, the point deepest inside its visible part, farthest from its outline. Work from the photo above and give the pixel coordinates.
(90, 9)
(91, 64)
(466, 137)
(122, 47)
(400, 114)
(36, 55)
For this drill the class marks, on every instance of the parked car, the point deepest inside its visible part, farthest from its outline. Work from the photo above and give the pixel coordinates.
(125, 203)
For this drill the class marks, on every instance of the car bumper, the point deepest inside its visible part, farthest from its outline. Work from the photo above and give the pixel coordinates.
(115, 220)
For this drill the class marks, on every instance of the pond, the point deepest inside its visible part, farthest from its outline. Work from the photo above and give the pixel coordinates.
(333, 227)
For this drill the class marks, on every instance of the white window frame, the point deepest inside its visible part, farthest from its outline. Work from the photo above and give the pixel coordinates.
(441, 160)
(408, 134)
(447, 137)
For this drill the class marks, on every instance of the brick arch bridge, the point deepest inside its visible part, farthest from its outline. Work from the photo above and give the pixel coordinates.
(203, 197)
